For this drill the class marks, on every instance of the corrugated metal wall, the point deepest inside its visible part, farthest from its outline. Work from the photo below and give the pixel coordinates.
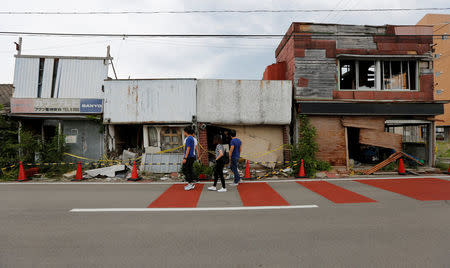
(81, 78)
(76, 78)
(151, 101)
(244, 101)
(26, 74)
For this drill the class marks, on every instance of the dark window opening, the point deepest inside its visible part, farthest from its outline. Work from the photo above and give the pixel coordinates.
(367, 74)
(49, 132)
(55, 73)
(348, 74)
(41, 73)
(224, 133)
(128, 137)
(362, 153)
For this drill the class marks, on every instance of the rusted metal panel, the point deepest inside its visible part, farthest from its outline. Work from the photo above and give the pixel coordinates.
(380, 139)
(155, 101)
(241, 102)
(376, 123)
(75, 77)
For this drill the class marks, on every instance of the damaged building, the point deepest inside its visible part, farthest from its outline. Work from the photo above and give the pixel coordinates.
(147, 116)
(368, 90)
(62, 95)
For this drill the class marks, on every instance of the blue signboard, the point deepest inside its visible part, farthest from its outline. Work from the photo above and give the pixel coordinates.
(91, 106)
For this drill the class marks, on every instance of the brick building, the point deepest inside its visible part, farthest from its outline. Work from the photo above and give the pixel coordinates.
(368, 90)
(441, 26)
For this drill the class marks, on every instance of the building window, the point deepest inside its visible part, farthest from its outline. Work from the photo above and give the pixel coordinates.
(41, 74)
(367, 74)
(152, 137)
(399, 75)
(170, 138)
(378, 75)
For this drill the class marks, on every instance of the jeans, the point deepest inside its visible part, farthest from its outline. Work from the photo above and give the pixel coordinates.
(188, 169)
(218, 172)
(234, 168)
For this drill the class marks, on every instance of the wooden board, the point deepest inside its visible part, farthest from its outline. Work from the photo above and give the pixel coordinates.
(380, 139)
(363, 122)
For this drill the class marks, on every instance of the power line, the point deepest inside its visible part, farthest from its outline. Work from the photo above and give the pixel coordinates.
(302, 35)
(139, 12)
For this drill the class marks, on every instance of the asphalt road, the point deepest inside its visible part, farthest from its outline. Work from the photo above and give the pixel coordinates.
(37, 229)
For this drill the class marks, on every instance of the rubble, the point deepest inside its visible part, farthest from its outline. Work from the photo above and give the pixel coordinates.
(127, 155)
(70, 174)
(106, 171)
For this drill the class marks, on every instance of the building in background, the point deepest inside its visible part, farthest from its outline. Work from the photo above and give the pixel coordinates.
(6, 91)
(60, 94)
(441, 48)
(359, 83)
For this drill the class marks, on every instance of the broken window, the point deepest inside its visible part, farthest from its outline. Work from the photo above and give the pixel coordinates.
(399, 75)
(348, 74)
(378, 75)
(170, 138)
(367, 74)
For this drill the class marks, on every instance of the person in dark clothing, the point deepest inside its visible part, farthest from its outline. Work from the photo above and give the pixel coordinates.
(235, 154)
(189, 159)
(218, 168)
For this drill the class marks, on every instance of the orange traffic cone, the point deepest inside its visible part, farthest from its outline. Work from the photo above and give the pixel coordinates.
(134, 174)
(247, 174)
(448, 171)
(22, 176)
(401, 167)
(301, 171)
(79, 176)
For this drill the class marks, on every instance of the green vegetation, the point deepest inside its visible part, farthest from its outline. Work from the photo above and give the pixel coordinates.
(199, 168)
(443, 149)
(31, 145)
(442, 166)
(307, 148)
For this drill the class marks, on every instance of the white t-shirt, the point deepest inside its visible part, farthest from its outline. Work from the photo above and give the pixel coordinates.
(195, 143)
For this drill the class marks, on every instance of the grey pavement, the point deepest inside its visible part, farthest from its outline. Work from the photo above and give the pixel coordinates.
(37, 229)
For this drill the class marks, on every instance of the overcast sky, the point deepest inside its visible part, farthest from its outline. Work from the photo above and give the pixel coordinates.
(196, 58)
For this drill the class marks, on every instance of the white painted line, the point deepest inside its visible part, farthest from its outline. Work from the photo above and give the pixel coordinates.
(187, 209)
(208, 182)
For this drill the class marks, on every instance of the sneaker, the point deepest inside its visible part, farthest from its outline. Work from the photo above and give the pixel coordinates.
(212, 188)
(223, 190)
(234, 184)
(188, 187)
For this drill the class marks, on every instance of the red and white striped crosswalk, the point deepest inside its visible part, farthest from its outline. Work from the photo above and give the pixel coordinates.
(262, 194)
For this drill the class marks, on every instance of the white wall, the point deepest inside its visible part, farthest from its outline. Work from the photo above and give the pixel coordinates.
(150, 101)
(244, 101)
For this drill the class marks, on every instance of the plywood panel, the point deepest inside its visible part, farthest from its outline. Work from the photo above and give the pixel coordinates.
(376, 123)
(380, 139)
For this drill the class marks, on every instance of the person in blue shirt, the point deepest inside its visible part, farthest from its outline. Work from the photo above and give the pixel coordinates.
(235, 154)
(189, 158)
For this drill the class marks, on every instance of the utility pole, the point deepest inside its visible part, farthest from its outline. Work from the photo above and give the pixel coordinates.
(19, 46)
